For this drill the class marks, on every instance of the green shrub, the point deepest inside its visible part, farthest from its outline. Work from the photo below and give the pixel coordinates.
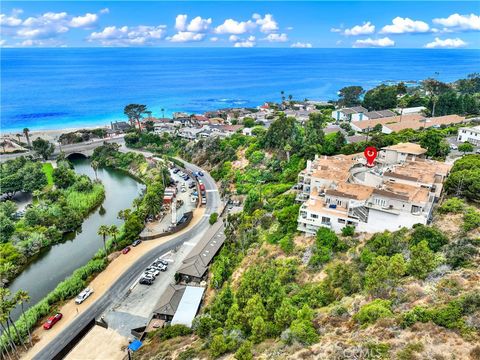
(452, 205)
(213, 218)
(417, 314)
(370, 313)
(432, 235)
(408, 352)
(471, 219)
(461, 252)
(172, 331)
(348, 230)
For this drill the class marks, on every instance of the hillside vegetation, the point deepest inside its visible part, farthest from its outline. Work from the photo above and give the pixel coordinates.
(275, 294)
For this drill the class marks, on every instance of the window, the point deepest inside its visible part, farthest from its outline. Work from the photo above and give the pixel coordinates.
(339, 202)
(325, 220)
(380, 202)
(327, 200)
(341, 221)
(314, 216)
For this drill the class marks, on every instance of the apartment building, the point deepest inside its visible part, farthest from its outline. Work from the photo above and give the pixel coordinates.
(472, 135)
(398, 192)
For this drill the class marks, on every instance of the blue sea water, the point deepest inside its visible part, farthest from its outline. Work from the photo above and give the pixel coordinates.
(62, 87)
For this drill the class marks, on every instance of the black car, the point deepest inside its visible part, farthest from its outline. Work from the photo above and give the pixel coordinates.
(161, 261)
(136, 242)
(176, 170)
(144, 281)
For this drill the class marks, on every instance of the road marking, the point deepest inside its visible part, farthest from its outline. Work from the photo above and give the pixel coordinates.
(216, 190)
(188, 244)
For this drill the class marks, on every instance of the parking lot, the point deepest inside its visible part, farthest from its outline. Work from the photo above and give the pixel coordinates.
(184, 196)
(135, 309)
(454, 144)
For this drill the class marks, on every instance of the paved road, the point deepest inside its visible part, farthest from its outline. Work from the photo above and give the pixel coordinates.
(120, 288)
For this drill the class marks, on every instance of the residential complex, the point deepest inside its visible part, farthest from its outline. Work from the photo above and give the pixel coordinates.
(472, 135)
(399, 191)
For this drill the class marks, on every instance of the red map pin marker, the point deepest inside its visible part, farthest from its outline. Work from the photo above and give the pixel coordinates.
(370, 153)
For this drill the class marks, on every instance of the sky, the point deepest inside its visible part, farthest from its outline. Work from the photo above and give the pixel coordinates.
(296, 24)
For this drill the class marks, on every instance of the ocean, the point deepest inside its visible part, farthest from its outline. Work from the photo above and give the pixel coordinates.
(53, 88)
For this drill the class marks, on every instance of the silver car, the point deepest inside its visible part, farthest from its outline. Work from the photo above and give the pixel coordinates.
(83, 295)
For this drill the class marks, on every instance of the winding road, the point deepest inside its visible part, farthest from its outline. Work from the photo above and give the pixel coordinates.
(120, 287)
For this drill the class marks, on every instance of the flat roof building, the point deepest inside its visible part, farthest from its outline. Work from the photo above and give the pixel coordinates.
(188, 306)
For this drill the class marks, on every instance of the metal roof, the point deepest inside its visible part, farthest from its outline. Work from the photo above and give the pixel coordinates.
(188, 307)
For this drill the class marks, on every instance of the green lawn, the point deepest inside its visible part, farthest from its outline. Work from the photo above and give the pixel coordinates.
(48, 170)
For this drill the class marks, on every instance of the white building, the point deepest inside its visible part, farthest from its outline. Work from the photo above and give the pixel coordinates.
(346, 114)
(398, 192)
(472, 135)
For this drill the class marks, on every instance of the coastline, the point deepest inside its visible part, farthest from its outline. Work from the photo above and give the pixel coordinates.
(49, 134)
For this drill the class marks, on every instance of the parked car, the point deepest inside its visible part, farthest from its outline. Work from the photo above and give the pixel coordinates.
(193, 199)
(453, 147)
(200, 173)
(146, 281)
(161, 261)
(160, 267)
(191, 185)
(176, 170)
(183, 189)
(83, 295)
(478, 151)
(152, 271)
(136, 242)
(126, 250)
(52, 320)
(148, 276)
(204, 200)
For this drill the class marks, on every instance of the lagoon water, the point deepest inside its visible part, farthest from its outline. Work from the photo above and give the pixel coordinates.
(62, 87)
(56, 263)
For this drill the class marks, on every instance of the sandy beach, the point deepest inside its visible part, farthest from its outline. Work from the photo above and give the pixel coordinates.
(50, 135)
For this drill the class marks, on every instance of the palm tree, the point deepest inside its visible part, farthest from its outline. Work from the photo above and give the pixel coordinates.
(5, 270)
(124, 214)
(287, 149)
(23, 297)
(5, 309)
(18, 137)
(283, 95)
(163, 112)
(25, 132)
(104, 231)
(137, 202)
(94, 164)
(113, 231)
(3, 144)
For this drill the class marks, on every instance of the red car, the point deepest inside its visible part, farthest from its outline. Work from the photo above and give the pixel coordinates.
(52, 320)
(126, 250)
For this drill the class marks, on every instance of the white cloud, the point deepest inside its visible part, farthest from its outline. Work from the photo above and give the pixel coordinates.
(301, 45)
(12, 20)
(267, 23)
(199, 25)
(214, 39)
(186, 36)
(181, 22)
(276, 37)
(336, 30)
(43, 29)
(384, 42)
(125, 35)
(250, 42)
(447, 43)
(460, 22)
(366, 28)
(289, 28)
(87, 20)
(104, 11)
(233, 38)
(3, 42)
(231, 26)
(405, 25)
